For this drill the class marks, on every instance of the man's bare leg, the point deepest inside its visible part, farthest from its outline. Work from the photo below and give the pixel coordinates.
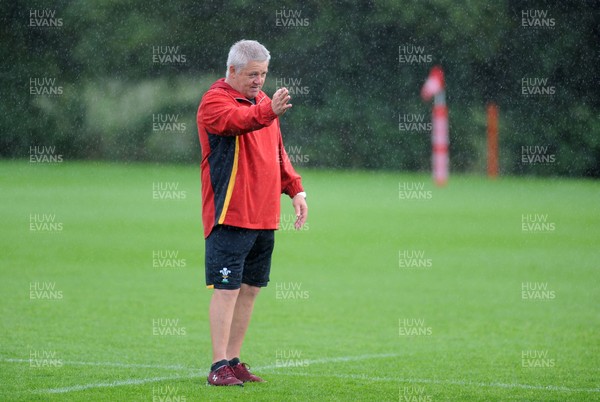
(221, 314)
(241, 319)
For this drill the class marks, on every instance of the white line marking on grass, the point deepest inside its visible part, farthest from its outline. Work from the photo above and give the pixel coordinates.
(179, 377)
(446, 382)
(272, 367)
(332, 360)
(352, 358)
(113, 384)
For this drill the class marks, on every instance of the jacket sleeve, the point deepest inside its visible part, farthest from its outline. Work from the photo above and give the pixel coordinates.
(291, 182)
(221, 115)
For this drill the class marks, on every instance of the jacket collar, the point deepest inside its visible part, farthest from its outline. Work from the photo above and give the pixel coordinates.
(221, 84)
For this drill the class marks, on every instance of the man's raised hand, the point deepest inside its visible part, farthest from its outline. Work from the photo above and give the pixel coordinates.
(280, 100)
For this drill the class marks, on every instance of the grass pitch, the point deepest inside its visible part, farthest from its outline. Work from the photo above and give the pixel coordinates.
(396, 290)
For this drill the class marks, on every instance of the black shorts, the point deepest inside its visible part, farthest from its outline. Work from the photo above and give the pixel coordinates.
(236, 255)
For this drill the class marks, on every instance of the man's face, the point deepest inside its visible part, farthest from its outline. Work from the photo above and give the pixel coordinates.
(250, 79)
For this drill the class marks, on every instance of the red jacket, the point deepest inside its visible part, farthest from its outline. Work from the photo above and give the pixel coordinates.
(245, 168)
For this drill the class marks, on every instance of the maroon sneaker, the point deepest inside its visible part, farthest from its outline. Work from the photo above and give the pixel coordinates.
(241, 372)
(223, 376)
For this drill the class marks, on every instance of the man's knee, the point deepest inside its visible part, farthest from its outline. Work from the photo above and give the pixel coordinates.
(250, 290)
(226, 294)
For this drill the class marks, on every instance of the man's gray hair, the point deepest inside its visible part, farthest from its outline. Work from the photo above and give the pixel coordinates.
(245, 51)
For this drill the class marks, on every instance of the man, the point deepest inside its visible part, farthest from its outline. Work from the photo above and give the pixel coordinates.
(245, 169)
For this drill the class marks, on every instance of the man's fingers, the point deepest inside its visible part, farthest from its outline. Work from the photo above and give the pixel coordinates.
(300, 222)
(301, 214)
(278, 94)
(280, 100)
(282, 95)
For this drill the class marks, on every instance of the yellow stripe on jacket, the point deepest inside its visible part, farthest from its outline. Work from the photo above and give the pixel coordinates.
(231, 181)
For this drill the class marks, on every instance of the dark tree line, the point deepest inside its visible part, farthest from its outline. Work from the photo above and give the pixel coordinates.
(121, 80)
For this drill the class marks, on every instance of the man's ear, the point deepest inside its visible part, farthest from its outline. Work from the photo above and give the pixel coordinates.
(231, 70)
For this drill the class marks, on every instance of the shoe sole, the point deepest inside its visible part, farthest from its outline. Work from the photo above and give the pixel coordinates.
(230, 385)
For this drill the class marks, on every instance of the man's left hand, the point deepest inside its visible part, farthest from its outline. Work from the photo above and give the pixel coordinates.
(301, 209)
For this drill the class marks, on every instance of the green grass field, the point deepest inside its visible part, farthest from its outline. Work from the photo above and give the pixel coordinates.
(393, 291)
